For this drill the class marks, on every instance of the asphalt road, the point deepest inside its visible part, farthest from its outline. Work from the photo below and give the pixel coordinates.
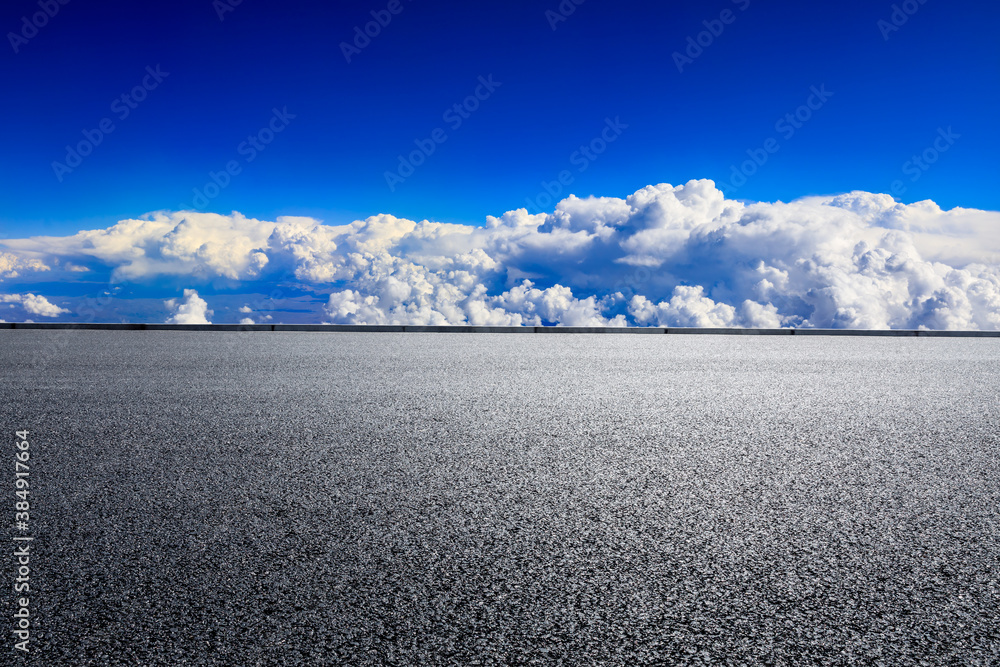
(409, 499)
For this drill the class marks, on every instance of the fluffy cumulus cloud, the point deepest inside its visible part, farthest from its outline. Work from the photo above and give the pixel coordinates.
(192, 309)
(12, 265)
(198, 245)
(664, 256)
(34, 304)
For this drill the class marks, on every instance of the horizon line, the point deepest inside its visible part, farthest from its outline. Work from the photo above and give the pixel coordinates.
(459, 328)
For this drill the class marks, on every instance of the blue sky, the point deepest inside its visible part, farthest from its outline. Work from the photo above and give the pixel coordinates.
(737, 162)
(557, 87)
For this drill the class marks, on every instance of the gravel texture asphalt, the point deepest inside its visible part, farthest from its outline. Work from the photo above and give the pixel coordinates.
(438, 499)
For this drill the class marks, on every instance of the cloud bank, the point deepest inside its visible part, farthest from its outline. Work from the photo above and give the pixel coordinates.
(665, 255)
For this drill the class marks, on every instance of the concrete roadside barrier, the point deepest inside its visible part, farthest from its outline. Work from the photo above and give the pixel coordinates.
(398, 328)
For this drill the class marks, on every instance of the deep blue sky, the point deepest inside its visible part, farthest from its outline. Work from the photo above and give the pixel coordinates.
(607, 59)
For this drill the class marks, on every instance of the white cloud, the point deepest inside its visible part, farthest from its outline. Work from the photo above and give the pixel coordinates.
(678, 255)
(34, 304)
(201, 245)
(688, 307)
(11, 265)
(192, 310)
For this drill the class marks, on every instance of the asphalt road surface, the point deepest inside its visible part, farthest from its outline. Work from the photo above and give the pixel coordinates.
(438, 499)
